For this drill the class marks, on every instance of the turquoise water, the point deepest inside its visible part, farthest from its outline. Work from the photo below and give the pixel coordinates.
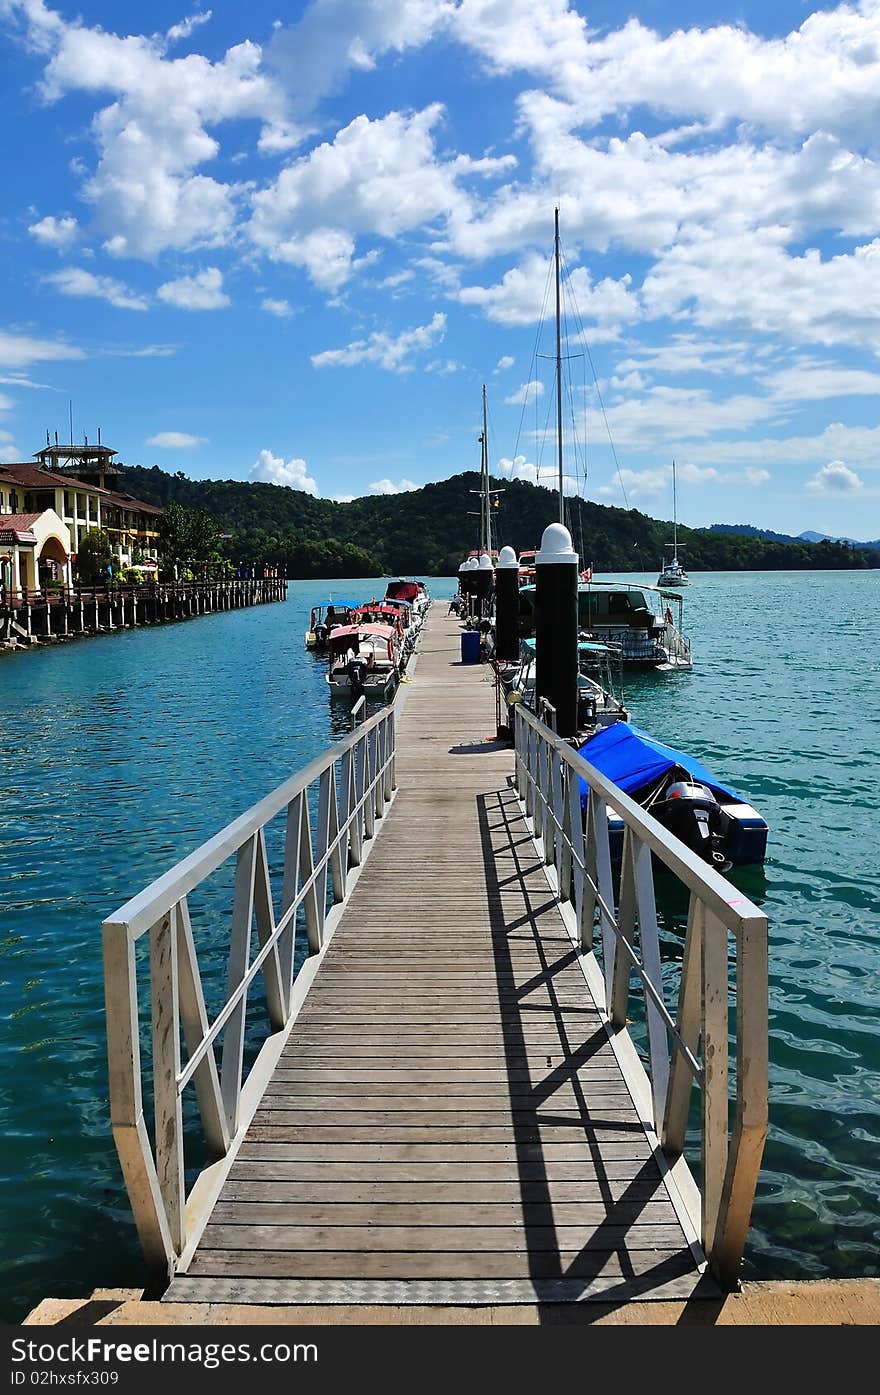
(123, 753)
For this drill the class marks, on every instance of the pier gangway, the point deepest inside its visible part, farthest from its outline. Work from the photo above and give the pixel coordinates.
(417, 1082)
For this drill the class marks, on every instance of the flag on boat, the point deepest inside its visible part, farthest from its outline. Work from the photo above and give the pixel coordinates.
(587, 573)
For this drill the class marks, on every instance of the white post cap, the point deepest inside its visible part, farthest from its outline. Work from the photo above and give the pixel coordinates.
(463, 567)
(556, 546)
(507, 560)
(485, 563)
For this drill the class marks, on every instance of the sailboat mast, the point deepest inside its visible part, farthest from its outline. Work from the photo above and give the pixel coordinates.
(484, 465)
(559, 373)
(674, 517)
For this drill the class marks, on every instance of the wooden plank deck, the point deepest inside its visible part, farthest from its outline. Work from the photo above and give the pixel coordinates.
(448, 1122)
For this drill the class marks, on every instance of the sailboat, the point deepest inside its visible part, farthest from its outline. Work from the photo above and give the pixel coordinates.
(672, 573)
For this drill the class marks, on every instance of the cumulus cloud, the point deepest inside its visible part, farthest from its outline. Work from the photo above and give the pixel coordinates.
(520, 298)
(528, 392)
(503, 364)
(274, 469)
(176, 440)
(59, 233)
(835, 478)
(75, 281)
(281, 309)
(204, 291)
(389, 487)
(146, 188)
(387, 351)
(376, 177)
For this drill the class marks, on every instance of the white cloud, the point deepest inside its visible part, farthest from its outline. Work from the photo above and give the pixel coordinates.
(18, 350)
(154, 135)
(76, 281)
(380, 178)
(204, 291)
(404, 486)
(186, 26)
(385, 350)
(835, 478)
(503, 364)
(273, 469)
(176, 440)
(521, 298)
(656, 482)
(281, 309)
(336, 37)
(528, 392)
(59, 233)
(443, 366)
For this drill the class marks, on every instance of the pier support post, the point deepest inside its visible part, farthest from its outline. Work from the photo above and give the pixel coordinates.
(556, 626)
(507, 606)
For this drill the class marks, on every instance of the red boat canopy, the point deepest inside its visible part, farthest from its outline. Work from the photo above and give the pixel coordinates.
(401, 590)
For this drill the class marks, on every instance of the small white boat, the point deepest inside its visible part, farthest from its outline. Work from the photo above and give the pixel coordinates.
(672, 573)
(324, 617)
(364, 661)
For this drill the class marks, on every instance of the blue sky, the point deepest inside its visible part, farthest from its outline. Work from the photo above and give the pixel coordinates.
(292, 242)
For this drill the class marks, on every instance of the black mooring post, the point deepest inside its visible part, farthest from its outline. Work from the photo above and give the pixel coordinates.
(483, 586)
(507, 606)
(556, 626)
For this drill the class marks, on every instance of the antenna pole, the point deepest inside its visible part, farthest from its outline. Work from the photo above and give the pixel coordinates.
(559, 373)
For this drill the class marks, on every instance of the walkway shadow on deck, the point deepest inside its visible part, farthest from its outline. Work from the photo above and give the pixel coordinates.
(511, 861)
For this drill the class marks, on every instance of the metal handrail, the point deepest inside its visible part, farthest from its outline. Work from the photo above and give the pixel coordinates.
(354, 782)
(548, 775)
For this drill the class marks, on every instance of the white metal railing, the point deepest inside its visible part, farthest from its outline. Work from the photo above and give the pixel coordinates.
(693, 1045)
(353, 782)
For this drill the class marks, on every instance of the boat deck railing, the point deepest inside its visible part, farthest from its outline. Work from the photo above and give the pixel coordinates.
(690, 1046)
(330, 810)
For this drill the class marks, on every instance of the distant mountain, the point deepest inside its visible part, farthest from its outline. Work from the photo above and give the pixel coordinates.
(429, 531)
(746, 530)
(828, 537)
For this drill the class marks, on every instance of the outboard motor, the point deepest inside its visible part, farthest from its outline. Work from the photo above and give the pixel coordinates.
(321, 634)
(691, 812)
(356, 669)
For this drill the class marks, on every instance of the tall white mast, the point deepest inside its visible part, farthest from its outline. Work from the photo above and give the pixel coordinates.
(487, 502)
(559, 373)
(674, 518)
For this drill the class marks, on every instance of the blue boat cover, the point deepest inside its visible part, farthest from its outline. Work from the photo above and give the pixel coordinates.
(337, 605)
(632, 759)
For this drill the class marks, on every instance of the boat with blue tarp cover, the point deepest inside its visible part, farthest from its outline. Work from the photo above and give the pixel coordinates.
(325, 615)
(712, 819)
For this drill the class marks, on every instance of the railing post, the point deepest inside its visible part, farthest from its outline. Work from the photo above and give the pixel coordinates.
(166, 1068)
(240, 939)
(750, 1122)
(715, 1084)
(617, 974)
(688, 1024)
(649, 941)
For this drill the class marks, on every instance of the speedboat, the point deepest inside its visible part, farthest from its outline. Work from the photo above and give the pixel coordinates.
(416, 592)
(325, 615)
(364, 661)
(639, 619)
(710, 818)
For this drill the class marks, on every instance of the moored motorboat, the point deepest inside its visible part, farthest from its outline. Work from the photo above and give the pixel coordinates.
(638, 619)
(598, 703)
(324, 617)
(710, 818)
(364, 661)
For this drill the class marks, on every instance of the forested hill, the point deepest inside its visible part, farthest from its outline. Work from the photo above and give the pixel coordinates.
(429, 531)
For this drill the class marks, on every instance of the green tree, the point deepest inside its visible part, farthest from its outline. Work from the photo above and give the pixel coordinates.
(187, 534)
(94, 557)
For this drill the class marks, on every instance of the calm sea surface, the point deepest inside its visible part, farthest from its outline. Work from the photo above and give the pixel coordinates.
(122, 754)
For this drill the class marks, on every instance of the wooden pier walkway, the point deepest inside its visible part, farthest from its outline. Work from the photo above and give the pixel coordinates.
(448, 1122)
